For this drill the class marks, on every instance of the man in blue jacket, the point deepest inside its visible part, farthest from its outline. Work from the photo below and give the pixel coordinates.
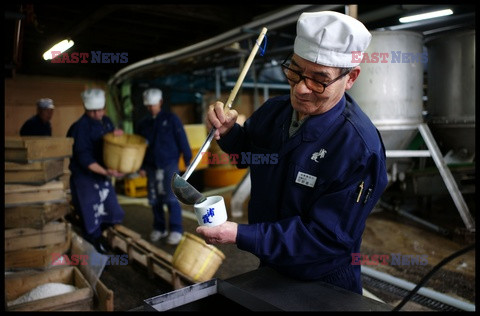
(323, 167)
(39, 124)
(93, 195)
(166, 140)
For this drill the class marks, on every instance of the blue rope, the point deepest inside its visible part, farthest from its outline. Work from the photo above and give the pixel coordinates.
(262, 49)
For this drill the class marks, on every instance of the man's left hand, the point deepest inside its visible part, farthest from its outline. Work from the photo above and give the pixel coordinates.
(115, 173)
(225, 233)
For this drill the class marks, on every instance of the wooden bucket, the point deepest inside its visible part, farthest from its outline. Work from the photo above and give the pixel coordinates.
(196, 259)
(124, 153)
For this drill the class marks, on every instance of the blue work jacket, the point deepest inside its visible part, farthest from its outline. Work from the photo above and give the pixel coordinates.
(166, 140)
(34, 126)
(93, 195)
(88, 143)
(312, 192)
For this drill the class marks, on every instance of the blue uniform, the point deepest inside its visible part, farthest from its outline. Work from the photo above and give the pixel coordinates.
(93, 195)
(312, 192)
(166, 141)
(34, 126)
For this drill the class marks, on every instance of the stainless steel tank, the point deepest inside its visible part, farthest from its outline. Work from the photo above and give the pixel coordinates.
(451, 91)
(390, 91)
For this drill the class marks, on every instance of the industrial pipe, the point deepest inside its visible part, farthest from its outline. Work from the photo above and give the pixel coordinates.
(423, 291)
(273, 21)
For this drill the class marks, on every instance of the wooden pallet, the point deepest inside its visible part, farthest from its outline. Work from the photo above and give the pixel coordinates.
(157, 261)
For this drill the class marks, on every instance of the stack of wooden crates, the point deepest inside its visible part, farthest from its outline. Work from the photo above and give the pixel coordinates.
(36, 200)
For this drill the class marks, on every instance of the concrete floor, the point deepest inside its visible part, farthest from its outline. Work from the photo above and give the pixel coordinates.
(386, 233)
(139, 217)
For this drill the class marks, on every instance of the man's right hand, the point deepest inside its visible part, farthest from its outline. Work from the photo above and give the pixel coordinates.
(222, 120)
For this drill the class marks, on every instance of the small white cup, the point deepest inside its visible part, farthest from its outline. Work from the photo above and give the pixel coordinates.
(211, 212)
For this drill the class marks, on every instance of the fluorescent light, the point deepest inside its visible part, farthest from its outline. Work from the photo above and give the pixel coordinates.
(425, 16)
(59, 47)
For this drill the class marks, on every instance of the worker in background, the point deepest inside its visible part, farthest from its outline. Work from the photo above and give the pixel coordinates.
(308, 206)
(39, 124)
(93, 195)
(166, 140)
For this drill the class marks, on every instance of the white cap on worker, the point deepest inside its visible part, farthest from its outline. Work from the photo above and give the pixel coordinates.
(152, 96)
(93, 99)
(330, 38)
(45, 103)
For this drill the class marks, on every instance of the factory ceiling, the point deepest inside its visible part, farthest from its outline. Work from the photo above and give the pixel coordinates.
(137, 32)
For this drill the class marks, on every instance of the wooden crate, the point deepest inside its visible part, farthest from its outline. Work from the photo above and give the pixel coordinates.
(38, 172)
(103, 298)
(32, 148)
(23, 238)
(36, 258)
(66, 165)
(35, 215)
(65, 179)
(23, 194)
(21, 283)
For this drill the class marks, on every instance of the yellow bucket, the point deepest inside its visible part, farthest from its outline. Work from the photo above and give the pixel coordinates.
(196, 259)
(124, 153)
(223, 175)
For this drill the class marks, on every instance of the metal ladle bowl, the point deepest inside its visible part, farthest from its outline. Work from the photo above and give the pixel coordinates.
(185, 192)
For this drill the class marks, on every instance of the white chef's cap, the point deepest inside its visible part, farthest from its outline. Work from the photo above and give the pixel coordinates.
(93, 99)
(45, 103)
(329, 38)
(152, 96)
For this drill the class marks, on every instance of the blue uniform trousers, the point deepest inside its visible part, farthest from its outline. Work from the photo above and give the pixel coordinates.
(95, 200)
(159, 194)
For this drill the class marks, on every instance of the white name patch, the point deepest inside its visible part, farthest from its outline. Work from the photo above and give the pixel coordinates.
(306, 179)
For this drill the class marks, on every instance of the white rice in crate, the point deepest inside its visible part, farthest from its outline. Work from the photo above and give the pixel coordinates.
(43, 291)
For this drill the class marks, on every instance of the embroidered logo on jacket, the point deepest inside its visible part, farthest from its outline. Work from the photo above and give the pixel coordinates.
(320, 154)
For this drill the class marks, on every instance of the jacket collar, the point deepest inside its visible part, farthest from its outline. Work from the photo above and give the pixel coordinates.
(317, 125)
(313, 128)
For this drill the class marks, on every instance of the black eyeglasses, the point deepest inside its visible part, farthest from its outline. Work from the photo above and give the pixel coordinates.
(312, 84)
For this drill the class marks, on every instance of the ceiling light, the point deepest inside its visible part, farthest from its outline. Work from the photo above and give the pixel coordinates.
(425, 16)
(59, 47)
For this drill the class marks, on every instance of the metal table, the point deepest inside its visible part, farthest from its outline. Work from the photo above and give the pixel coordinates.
(262, 290)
